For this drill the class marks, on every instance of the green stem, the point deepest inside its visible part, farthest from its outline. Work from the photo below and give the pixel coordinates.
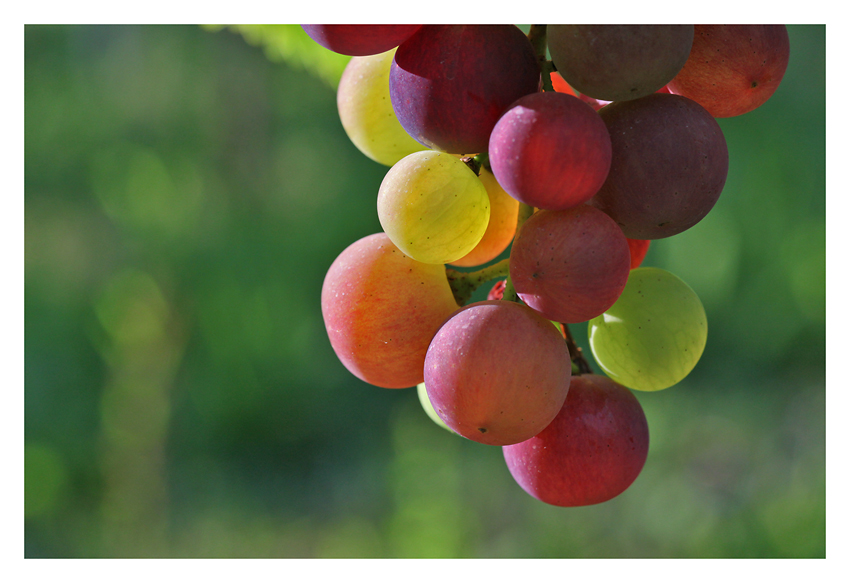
(464, 284)
(537, 37)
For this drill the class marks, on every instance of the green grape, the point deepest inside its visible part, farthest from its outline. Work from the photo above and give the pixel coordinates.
(429, 408)
(653, 335)
(433, 207)
(366, 112)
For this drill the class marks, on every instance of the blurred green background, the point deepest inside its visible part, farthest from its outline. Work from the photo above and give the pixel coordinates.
(186, 190)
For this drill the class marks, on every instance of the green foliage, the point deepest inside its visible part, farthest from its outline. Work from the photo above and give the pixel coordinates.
(290, 44)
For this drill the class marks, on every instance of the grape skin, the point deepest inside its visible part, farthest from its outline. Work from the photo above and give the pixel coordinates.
(653, 335)
(366, 112)
(450, 84)
(501, 227)
(668, 166)
(381, 309)
(497, 372)
(592, 451)
(433, 207)
(619, 62)
(360, 40)
(733, 69)
(550, 150)
(570, 265)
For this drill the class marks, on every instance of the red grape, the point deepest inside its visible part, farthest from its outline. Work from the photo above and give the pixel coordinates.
(592, 451)
(550, 150)
(570, 265)
(637, 249)
(358, 40)
(733, 69)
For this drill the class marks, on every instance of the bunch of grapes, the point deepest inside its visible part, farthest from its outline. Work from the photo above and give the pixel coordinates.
(575, 146)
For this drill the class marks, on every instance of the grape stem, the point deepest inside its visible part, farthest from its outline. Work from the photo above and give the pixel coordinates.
(476, 162)
(537, 37)
(580, 365)
(464, 284)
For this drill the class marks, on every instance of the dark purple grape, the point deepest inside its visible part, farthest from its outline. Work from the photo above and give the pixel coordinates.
(668, 165)
(450, 84)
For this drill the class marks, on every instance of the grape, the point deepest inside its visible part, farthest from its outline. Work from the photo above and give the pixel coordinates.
(570, 265)
(550, 150)
(497, 372)
(653, 335)
(733, 69)
(433, 207)
(360, 40)
(498, 290)
(381, 309)
(621, 62)
(668, 166)
(366, 113)
(592, 451)
(501, 227)
(450, 84)
(422, 392)
(637, 249)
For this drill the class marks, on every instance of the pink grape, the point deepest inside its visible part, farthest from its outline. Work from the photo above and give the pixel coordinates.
(381, 309)
(497, 372)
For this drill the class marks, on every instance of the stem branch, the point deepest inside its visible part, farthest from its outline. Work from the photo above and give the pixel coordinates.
(464, 284)
(580, 365)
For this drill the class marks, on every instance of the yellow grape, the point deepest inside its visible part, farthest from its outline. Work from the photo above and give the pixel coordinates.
(433, 207)
(366, 113)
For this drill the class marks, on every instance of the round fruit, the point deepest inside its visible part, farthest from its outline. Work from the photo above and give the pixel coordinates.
(619, 62)
(592, 451)
(550, 150)
(653, 335)
(497, 372)
(433, 207)
(381, 309)
(450, 84)
(366, 113)
(733, 69)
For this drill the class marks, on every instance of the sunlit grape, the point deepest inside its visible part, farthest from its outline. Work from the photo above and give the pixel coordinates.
(501, 228)
(433, 207)
(381, 309)
(366, 112)
(653, 335)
